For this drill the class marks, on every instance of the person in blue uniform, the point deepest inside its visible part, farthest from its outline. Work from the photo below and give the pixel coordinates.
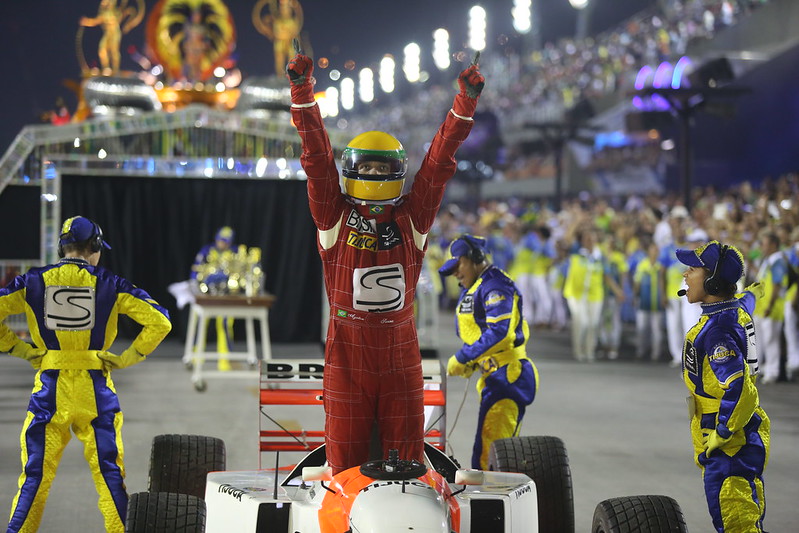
(72, 309)
(211, 253)
(730, 430)
(489, 321)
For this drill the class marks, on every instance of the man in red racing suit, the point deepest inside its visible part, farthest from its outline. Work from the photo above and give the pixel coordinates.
(372, 255)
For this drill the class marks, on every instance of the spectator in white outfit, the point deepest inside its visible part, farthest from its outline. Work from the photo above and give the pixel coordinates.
(584, 290)
(792, 307)
(769, 316)
(672, 274)
(649, 293)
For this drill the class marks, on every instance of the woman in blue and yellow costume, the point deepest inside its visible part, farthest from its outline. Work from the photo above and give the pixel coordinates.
(730, 431)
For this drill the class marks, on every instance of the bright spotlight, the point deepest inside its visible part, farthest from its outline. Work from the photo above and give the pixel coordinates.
(522, 19)
(579, 4)
(347, 93)
(441, 48)
(477, 28)
(411, 64)
(386, 73)
(366, 85)
(331, 97)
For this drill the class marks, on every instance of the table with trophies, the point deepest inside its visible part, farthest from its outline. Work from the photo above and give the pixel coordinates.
(228, 285)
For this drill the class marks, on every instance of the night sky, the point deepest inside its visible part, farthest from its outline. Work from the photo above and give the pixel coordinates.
(37, 39)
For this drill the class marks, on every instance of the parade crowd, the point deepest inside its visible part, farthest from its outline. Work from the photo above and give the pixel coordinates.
(598, 263)
(544, 84)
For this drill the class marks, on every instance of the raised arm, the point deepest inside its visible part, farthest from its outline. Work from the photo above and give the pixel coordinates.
(324, 192)
(439, 164)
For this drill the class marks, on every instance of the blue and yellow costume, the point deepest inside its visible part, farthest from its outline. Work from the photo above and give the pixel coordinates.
(72, 309)
(722, 387)
(490, 323)
(211, 253)
(729, 429)
(647, 279)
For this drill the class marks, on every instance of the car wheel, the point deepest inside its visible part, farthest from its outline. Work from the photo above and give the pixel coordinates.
(544, 460)
(180, 463)
(647, 514)
(162, 512)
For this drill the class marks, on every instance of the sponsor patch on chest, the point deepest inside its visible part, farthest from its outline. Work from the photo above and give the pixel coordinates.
(361, 224)
(387, 237)
(362, 241)
(689, 358)
(467, 304)
(379, 288)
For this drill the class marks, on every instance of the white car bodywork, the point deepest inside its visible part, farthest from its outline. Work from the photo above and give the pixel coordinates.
(256, 501)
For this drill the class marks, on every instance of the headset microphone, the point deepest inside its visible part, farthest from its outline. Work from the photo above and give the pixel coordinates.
(681, 293)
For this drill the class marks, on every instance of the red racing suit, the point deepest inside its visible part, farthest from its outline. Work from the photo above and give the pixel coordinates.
(371, 257)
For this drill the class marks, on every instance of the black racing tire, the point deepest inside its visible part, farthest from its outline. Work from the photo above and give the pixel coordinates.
(639, 514)
(544, 460)
(180, 463)
(163, 512)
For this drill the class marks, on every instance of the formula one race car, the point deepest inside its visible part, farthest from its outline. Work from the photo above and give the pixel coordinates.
(527, 488)
(384, 496)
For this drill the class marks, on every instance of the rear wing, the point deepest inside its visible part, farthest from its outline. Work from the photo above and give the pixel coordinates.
(291, 413)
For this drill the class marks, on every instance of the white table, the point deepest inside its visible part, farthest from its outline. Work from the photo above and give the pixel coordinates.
(249, 309)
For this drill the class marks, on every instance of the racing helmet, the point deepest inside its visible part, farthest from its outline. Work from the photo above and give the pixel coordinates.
(380, 147)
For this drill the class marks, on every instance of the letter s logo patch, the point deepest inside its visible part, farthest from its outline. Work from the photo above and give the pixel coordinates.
(68, 308)
(378, 289)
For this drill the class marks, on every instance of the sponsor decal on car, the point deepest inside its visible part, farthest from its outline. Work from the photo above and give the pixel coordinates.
(379, 484)
(294, 371)
(521, 491)
(231, 490)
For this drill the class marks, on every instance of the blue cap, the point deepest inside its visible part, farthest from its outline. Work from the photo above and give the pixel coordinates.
(226, 234)
(463, 246)
(80, 229)
(706, 256)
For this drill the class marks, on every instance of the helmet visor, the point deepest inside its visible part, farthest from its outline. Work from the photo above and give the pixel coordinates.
(374, 190)
(374, 164)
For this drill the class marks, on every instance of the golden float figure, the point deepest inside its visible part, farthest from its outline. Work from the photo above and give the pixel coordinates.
(281, 25)
(190, 38)
(116, 20)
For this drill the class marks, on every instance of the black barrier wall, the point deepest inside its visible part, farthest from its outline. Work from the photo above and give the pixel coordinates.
(156, 226)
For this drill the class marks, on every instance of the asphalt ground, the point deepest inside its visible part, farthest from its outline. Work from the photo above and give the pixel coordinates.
(624, 424)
